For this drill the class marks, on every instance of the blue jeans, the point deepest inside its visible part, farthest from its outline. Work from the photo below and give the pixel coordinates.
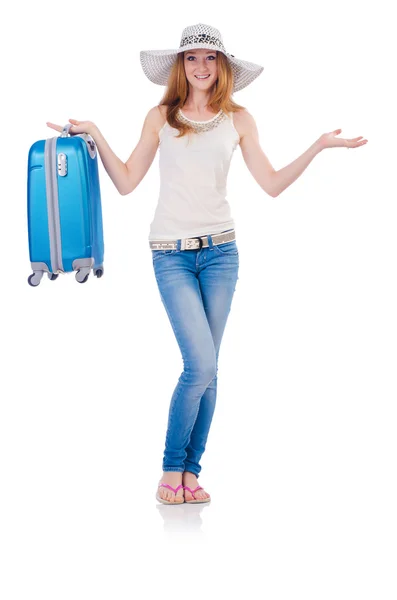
(196, 288)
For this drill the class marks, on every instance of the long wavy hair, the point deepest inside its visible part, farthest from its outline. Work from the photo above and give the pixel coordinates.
(177, 91)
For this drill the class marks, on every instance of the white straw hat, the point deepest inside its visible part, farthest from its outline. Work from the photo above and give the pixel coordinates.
(157, 64)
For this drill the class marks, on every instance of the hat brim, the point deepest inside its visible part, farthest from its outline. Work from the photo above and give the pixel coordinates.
(156, 65)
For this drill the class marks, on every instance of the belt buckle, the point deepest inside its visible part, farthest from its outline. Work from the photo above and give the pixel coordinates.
(186, 243)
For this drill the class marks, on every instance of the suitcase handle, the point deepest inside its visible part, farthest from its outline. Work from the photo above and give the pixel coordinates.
(89, 140)
(65, 130)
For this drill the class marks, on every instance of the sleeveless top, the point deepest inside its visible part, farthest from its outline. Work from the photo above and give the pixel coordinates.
(193, 176)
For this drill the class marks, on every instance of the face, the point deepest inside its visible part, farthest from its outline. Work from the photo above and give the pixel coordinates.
(201, 62)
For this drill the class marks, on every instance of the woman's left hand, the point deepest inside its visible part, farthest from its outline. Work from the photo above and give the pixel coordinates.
(329, 140)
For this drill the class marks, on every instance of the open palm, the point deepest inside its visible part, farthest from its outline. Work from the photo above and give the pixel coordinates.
(329, 140)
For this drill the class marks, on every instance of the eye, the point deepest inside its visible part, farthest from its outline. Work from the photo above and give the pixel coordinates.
(210, 56)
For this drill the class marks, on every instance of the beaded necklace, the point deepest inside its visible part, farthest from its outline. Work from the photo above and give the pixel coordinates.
(200, 126)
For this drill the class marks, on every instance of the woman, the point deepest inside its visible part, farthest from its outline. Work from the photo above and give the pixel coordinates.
(192, 236)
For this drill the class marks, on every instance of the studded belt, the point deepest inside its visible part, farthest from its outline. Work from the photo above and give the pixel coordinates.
(193, 243)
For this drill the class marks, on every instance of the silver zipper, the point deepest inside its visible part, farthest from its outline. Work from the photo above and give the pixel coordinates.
(54, 226)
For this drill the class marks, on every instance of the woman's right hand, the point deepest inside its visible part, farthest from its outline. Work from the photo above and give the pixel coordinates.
(77, 127)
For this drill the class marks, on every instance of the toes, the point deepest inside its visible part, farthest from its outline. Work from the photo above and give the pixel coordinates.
(169, 496)
(164, 494)
(202, 495)
(199, 494)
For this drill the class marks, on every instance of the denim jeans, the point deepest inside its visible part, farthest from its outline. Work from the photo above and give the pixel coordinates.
(196, 289)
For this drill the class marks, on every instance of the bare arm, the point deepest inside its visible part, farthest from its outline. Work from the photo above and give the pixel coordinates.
(284, 177)
(287, 175)
(114, 167)
(143, 155)
(126, 176)
(256, 160)
(271, 181)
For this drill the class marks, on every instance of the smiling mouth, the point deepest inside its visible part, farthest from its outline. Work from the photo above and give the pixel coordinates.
(206, 77)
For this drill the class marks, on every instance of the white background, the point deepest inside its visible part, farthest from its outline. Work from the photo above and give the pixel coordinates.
(301, 457)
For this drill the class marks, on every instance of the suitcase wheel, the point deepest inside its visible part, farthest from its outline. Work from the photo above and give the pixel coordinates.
(35, 278)
(98, 272)
(82, 275)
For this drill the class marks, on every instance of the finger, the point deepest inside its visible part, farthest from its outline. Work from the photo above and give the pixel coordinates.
(53, 126)
(358, 144)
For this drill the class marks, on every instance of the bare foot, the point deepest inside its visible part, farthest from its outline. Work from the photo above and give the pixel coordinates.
(172, 478)
(190, 480)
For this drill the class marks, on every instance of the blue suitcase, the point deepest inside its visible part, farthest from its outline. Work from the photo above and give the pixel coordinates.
(64, 208)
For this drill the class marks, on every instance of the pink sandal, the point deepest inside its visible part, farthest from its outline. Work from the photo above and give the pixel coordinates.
(173, 490)
(196, 500)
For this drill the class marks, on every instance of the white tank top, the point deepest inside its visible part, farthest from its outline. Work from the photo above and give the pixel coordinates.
(193, 175)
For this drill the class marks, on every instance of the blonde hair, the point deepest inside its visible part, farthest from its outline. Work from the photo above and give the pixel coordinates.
(178, 87)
